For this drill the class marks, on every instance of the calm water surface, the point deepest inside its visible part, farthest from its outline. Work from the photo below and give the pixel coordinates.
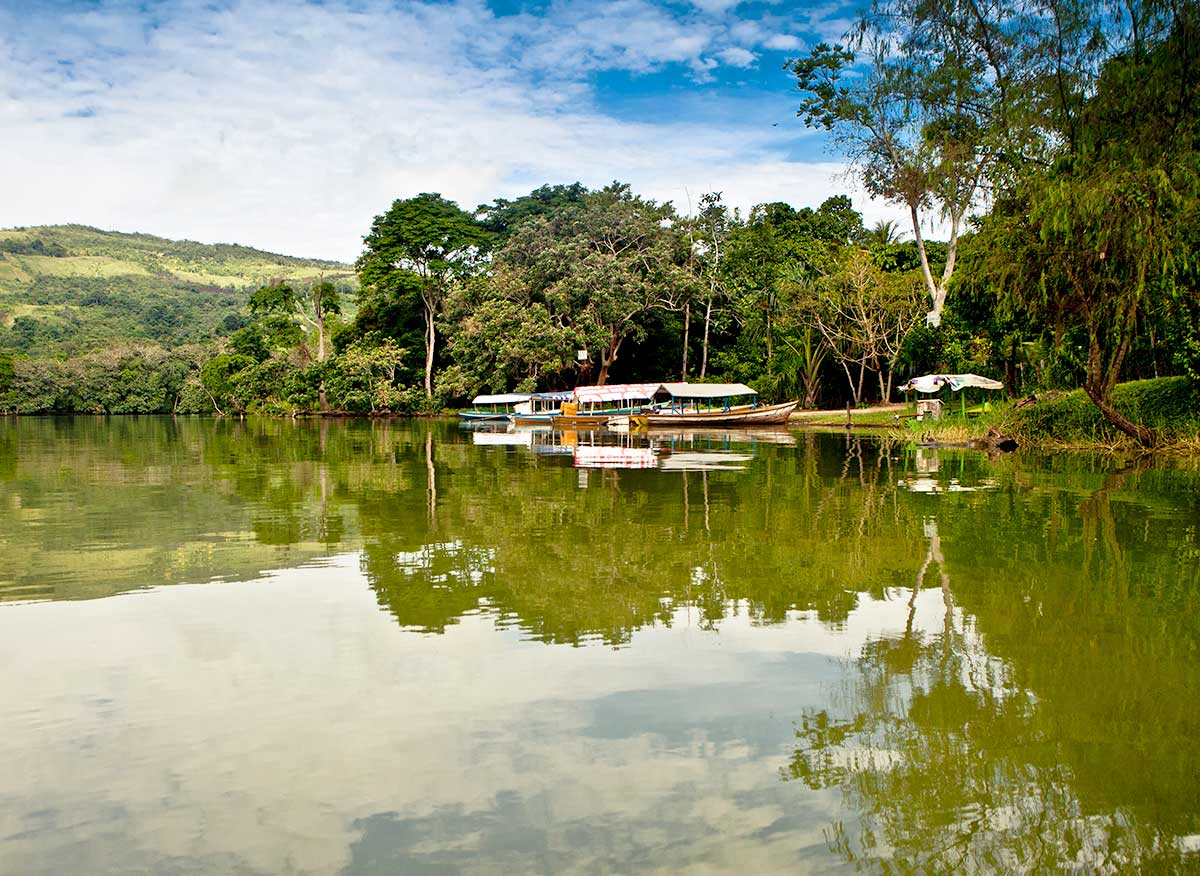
(384, 648)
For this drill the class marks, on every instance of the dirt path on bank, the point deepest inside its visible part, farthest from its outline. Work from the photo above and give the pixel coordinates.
(878, 415)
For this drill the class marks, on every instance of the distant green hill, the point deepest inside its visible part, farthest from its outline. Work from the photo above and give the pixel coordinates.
(68, 289)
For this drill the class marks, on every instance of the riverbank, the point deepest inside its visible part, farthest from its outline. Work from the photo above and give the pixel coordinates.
(1070, 421)
(1049, 421)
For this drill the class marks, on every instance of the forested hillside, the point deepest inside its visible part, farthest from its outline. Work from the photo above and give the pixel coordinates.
(67, 290)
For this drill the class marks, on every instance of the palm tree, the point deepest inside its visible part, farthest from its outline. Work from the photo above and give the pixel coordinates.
(884, 232)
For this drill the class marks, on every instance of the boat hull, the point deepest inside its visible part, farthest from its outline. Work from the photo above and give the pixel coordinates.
(496, 416)
(744, 415)
(581, 421)
(532, 419)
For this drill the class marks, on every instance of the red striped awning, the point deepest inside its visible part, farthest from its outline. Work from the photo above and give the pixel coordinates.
(616, 392)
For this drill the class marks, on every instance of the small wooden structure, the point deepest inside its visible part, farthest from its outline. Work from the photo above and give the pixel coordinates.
(929, 409)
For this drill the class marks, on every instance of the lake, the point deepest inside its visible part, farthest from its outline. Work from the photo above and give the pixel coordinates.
(276, 647)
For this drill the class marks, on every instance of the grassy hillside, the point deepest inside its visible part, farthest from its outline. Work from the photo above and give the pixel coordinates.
(68, 289)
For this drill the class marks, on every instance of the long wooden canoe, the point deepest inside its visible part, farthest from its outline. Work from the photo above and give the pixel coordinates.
(741, 415)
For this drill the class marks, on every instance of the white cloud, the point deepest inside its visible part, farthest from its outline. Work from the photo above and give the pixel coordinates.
(716, 6)
(783, 42)
(288, 126)
(736, 56)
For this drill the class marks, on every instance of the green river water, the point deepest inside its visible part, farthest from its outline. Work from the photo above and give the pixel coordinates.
(275, 647)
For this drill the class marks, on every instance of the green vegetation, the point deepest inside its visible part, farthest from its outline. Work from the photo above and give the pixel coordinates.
(1082, 119)
(1167, 405)
(103, 322)
(66, 290)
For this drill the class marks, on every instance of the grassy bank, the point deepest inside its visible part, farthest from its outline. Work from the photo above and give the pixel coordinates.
(1169, 405)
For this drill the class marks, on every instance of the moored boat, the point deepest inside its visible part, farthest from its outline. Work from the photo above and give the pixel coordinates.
(593, 406)
(493, 407)
(540, 409)
(709, 404)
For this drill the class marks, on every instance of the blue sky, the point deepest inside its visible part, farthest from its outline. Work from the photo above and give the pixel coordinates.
(289, 125)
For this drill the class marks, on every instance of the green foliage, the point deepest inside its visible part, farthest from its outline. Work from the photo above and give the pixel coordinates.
(1104, 235)
(423, 244)
(217, 376)
(68, 290)
(32, 246)
(251, 342)
(126, 379)
(502, 217)
(1167, 405)
(587, 277)
(8, 376)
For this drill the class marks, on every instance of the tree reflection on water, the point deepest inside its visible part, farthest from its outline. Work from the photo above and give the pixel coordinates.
(1069, 745)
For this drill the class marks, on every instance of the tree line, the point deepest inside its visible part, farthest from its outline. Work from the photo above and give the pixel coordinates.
(1055, 142)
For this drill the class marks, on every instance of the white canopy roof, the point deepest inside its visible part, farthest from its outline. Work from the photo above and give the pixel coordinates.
(616, 392)
(934, 382)
(707, 390)
(507, 398)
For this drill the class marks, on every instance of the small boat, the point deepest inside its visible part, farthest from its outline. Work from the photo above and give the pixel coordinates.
(540, 408)
(709, 404)
(593, 406)
(493, 407)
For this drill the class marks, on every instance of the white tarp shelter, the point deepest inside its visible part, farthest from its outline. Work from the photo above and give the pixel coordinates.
(934, 382)
(707, 390)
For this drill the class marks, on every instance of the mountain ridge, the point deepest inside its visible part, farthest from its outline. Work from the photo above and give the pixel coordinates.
(66, 289)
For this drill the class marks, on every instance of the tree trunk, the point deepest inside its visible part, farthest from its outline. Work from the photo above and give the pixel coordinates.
(1139, 433)
(707, 323)
(430, 340)
(607, 357)
(687, 325)
(1100, 381)
(934, 317)
(849, 378)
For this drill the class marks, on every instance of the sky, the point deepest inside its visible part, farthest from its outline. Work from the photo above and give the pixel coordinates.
(288, 125)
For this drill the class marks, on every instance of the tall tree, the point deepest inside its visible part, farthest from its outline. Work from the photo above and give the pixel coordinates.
(1107, 230)
(599, 267)
(864, 315)
(426, 241)
(713, 225)
(913, 121)
(311, 307)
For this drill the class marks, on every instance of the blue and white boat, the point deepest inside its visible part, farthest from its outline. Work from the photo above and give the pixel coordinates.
(493, 407)
(540, 408)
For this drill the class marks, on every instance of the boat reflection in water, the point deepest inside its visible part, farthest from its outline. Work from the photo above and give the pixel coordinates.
(682, 450)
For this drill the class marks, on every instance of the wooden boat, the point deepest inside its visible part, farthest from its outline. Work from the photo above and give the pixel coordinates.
(709, 404)
(493, 407)
(593, 406)
(740, 415)
(540, 409)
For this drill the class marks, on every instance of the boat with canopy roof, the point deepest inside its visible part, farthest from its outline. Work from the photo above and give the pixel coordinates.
(540, 409)
(708, 404)
(493, 407)
(594, 406)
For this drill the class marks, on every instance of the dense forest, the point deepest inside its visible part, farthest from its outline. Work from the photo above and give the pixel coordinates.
(1054, 145)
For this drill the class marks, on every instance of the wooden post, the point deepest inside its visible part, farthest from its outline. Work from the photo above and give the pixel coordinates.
(847, 415)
